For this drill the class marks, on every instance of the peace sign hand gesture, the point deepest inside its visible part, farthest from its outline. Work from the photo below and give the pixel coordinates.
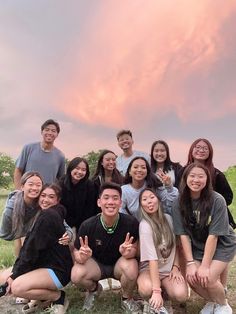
(84, 252)
(126, 248)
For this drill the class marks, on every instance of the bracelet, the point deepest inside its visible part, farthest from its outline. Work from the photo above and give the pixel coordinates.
(157, 290)
(176, 267)
(190, 263)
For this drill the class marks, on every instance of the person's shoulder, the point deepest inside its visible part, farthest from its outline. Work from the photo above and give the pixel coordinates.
(59, 152)
(138, 153)
(91, 221)
(124, 218)
(31, 145)
(217, 196)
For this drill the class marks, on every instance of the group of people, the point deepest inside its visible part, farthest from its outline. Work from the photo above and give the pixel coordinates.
(157, 227)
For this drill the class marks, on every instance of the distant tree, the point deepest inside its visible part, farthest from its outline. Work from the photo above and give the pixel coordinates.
(92, 158)
(7, 166)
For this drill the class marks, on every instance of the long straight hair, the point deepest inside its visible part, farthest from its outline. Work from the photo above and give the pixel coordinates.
(205, 201)
(20, 206)
(161, 230)
(167, 163)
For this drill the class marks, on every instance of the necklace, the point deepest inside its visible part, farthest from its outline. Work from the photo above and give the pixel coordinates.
(111, 229)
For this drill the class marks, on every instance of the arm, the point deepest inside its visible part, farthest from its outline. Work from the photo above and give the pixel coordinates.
(222, 187)
(67, 236)
(156, 298)
(191, 268)
(167, 195)
(82, 254)
(17, 178)
(6, 220)
(128, 249)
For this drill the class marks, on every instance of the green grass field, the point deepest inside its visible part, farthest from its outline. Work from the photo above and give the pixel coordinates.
(109, 302)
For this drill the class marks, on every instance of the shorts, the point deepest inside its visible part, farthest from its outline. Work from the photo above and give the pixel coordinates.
(59, 278)
(107, 271)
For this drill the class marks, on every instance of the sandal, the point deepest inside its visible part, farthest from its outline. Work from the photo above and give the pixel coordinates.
(21, 301)
(35, 305)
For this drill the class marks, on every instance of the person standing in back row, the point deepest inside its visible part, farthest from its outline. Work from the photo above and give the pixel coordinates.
(42, 157)
(125, 142)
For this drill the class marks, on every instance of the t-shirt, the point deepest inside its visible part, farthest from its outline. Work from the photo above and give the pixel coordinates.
(218, 225)
(105, 247)
(51, 165)
(130, 199)
(122, 162)
(148, 250)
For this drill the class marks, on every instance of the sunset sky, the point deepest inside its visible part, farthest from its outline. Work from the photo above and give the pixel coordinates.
(164, 69)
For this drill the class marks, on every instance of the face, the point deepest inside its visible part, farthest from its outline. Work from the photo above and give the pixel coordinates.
(149, 202)
(110, 202)
(79, 172)
(49, 133)
(48, 198)
(109, 161)
(125, 141)
(159, 153)
(32, 187)
(138, 170)
(196, 181)
(200, 151)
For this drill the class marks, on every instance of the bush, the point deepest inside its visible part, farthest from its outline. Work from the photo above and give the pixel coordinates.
(7, 166)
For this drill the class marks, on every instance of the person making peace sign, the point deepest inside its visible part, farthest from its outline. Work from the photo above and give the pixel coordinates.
(106, 247)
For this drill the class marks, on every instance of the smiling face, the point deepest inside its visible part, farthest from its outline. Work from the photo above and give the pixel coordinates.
(49, 134)
(79, 172)
(196, 181)
(200, 151)
(138, 170)
(48, 198)
(110, 202)
(109, 161)
(125, 142)
(159, 153)
(149, 202)
(31, 188)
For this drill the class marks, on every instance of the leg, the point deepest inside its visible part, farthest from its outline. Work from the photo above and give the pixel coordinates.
(126, 270)
(35, 285)
(86, 275)
(144, 284)
(176, 290)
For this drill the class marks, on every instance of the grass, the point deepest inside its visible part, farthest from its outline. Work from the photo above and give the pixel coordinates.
(109, 302)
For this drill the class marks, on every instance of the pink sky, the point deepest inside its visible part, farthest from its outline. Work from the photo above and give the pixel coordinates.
(164, 69)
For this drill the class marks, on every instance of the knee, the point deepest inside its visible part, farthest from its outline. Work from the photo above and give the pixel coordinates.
(17, 288)
(77, 274)
(144, 288)
(180, 295)
(129, 269)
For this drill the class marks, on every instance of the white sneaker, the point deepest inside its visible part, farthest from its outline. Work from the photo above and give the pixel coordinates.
(105, 284)
(115, 284)
(90, 298)
(223, 309)
(208, 308)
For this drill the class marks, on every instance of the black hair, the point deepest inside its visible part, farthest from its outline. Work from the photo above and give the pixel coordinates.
(53, 122)
(110, 185)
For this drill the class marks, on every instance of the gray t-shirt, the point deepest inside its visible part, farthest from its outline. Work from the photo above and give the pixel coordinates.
(130, 199)
(51, 165)
(148, 251)
(122, 162)
(218, 225)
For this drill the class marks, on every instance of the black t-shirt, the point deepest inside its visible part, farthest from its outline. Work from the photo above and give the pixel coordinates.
(105, 247)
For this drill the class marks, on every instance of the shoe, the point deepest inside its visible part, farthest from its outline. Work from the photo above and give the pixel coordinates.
(105, 284)
(90, 298)
(223, 309)
(130, 306)
(208, 308)
(35, 305)
(148, 309)
(115, 284)
(59, 308)
(163, 310)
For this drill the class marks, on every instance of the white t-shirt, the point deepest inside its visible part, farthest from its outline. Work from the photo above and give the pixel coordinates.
(122, 162)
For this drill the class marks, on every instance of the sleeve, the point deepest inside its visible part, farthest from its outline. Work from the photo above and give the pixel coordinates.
(167, 196)
(177, 219)
(6, 220)
(23, 157)
(222, 187)
(178, 170)
(147, 247)
(124, 204)
(82, 232)
(68, 230)
(219, 224)
(91, 200)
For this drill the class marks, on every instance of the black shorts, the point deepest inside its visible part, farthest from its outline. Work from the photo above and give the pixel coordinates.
(107, 271)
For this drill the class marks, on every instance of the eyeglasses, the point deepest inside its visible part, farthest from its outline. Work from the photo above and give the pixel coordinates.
(204, 148)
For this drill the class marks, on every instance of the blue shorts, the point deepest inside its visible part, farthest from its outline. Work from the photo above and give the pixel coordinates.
(55, 278)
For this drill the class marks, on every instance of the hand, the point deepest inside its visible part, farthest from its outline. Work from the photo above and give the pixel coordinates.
(9, 281)
(164, 177)
(156, 300)
(126, 247)
(65, 239)
(191, 274)
(84, 252)
(203, 274)
(176, 275)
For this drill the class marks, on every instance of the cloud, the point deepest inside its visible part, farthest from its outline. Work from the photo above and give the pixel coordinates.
(141, 59)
